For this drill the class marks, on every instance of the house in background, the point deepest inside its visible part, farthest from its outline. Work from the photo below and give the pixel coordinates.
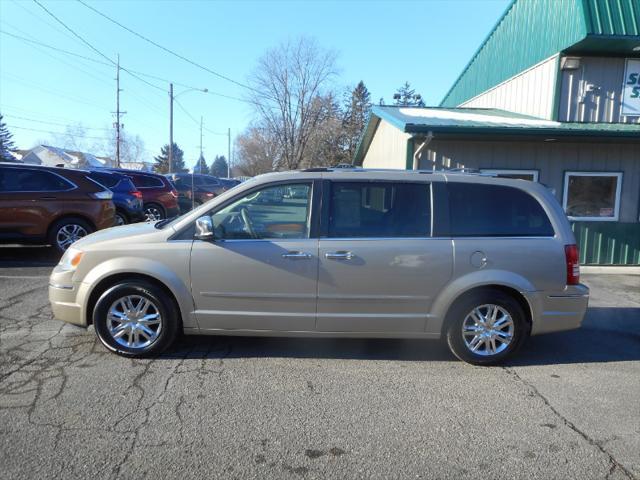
(552, 95)
(59, 157)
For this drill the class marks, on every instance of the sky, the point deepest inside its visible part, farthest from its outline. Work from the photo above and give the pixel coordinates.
(383, 43)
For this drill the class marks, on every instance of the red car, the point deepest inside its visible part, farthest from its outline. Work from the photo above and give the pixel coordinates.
(159, 196)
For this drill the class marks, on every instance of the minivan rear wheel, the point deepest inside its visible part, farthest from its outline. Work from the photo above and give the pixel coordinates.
(153, 212)
(486, 327)
(135, 319)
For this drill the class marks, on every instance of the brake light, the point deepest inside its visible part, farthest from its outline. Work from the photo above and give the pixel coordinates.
(573, 264)
(210, 194)
(174, 192)
(136, 193)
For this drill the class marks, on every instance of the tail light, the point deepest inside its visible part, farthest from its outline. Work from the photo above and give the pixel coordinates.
(103, 195)
(136, 193)
(573, 264)
(210, 194)
(174, 192)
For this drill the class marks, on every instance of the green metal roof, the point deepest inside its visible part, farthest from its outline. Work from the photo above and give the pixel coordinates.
(486, 121)
(531, 31)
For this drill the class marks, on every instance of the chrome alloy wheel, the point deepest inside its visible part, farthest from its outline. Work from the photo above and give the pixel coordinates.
(153, 214)
(487, 330)
(134, 321)
(68, 234)
(120, 220)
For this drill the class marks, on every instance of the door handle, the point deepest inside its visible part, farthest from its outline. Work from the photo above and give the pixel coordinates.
(340, 255)
(297, 255)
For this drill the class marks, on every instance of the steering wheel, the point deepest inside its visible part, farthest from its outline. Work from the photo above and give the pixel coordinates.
(247, 222)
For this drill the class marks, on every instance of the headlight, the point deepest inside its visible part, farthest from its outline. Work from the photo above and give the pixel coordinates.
(70, 259)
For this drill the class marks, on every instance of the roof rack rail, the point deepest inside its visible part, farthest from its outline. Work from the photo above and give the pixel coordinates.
(316, 169)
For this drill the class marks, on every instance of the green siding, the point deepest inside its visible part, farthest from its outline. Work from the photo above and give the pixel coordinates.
(612, 17)
(531, 31)
(608, 243)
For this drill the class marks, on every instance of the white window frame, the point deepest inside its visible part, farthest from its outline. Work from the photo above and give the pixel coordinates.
(616, 208)
(512, 171)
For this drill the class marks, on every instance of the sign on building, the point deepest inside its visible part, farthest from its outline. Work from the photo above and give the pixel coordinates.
(631, 88)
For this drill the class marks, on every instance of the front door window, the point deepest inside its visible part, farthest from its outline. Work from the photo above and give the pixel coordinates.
(275, 212)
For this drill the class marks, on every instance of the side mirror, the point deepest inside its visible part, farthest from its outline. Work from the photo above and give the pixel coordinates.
(204, 228)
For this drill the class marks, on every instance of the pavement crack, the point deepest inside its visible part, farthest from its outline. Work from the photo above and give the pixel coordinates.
(613, 463)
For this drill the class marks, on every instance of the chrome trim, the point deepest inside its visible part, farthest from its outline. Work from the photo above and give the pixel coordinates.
(61, 287)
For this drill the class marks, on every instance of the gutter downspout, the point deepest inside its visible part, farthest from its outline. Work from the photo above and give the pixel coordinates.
(420, 149)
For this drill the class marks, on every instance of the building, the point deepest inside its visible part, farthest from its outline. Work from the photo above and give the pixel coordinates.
(552, 95)
(59, 157)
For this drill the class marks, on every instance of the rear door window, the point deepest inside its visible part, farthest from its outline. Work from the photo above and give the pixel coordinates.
(379, 209)
(147, 181)
(106, 179)
(480, 210)
(16, 180)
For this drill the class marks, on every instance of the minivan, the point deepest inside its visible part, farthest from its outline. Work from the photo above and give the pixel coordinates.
(480, 262)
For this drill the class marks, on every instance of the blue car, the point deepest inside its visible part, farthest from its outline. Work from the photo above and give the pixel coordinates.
(126, 197)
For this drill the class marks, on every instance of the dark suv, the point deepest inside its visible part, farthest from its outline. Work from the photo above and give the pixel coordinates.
(51, 205)
(159, 197)
(194, 190)
(126, 197)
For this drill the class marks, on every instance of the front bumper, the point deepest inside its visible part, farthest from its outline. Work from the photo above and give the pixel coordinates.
(559, 311)
(65, 295)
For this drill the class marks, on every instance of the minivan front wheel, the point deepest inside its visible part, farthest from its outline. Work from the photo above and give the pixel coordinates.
(135, 319)
(486, 328)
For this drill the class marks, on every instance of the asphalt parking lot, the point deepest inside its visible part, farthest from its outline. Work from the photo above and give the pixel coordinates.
(567, 407)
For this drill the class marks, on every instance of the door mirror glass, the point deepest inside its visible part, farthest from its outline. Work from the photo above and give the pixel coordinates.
(204, 228)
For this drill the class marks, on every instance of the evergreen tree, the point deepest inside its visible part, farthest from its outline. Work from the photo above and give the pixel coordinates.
(201, 165)
(162, 160)
(6, 144)
(406, 96)
(357, 107)
(219, 166)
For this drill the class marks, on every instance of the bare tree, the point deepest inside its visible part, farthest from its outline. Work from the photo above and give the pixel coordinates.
(325, 144)
(256, 151)
(285, 84)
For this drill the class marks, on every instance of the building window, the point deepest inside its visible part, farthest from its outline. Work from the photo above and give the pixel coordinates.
(592, 196)
(531, 175)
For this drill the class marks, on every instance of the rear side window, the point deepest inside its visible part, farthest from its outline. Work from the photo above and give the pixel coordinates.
(478, 210)
(147, 181)
(379, 209)
(16, 180)
(106, 179)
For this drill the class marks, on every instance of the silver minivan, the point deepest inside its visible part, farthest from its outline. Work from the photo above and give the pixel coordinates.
(481, 262)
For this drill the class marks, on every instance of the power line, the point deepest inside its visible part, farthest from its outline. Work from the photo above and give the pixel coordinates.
(54, 123)
(92, 47)
(128, 70)
(58, 133)
(206, 69)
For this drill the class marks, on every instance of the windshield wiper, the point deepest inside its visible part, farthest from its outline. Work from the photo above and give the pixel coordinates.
(161, 223)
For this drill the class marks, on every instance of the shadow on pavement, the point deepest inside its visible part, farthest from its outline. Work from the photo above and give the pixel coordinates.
(25, 256)
(607, 335)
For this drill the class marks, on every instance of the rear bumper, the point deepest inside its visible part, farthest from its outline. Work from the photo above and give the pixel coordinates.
(559, 311)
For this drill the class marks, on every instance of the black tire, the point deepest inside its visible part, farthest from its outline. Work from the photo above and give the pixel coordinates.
(65, 224)
(463, 307)
(154, 210)
(123, 216)
(161, 302)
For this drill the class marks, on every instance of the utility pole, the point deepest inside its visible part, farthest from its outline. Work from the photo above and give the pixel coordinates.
(200, 139)
(118, 125)
(170, 128)
(229, 153)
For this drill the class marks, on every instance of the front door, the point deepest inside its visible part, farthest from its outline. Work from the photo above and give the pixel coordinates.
(380, 269)
(261, 271)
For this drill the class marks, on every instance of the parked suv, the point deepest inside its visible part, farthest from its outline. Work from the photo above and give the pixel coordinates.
(51, 205)
(160, 198)
(480, 262)
(194, 190)
(126, 197)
